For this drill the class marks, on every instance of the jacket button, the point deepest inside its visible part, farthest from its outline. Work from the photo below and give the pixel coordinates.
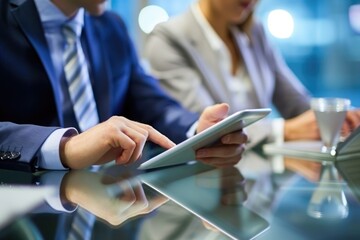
(15, 155)
(9, 155)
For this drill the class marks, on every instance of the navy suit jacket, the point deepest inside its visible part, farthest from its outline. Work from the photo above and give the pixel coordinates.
(30, 104)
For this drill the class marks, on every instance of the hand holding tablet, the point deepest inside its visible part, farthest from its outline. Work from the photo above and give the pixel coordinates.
(185, 151)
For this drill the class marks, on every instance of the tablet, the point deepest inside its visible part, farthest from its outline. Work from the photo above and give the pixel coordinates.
(347, 149)
(185, 151)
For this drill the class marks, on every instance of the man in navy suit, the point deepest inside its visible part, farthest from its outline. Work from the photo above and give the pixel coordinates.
(37, 121)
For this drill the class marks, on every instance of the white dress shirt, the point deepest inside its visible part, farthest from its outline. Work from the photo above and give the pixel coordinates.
(52, 20)
(239, 84)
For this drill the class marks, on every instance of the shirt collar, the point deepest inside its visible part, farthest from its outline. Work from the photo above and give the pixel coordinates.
(212, 37)
(52, 15)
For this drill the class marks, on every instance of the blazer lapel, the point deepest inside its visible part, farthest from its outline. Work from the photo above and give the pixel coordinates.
(197, 45)
(251, 66)
(265, 84)
(100, 75)
(31, 26)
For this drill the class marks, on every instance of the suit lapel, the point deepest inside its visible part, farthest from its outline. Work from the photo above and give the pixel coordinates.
(207, 64)
(265, 82)
(31, 26)
(251, 66)
(100, 75)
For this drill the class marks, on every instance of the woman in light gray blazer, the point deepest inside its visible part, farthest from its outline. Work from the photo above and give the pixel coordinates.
(215, 52)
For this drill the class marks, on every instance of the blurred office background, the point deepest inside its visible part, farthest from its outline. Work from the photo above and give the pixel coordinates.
(319, 39)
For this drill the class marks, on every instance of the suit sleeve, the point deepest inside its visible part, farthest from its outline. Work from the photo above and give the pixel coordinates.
(154, 106)
(146, 101)
(24, 139)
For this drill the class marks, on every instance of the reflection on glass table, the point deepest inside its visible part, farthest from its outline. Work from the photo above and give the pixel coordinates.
(310, 200)
(215, 195)
(112, 199)
(12, 202)
(328, 200)
(350, 171)
(256, 198)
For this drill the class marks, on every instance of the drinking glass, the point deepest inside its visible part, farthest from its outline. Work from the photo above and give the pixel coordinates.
(330, 115)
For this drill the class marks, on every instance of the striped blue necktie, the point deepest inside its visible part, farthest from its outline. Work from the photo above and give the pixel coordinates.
(78, 80)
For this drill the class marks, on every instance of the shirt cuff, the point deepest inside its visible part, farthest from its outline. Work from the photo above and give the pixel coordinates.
(278, 130)
(50, 150)
(277, 161)
(192, 131)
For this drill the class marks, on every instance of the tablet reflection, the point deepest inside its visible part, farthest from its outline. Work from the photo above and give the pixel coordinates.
(214, 195)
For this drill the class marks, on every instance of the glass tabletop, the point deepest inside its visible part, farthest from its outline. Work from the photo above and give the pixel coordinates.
(262, 197)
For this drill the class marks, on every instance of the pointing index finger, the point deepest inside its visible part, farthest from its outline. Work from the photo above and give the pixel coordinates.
(157, 137)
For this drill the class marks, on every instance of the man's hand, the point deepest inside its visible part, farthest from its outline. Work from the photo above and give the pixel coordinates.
(230, 147)
(117, 138)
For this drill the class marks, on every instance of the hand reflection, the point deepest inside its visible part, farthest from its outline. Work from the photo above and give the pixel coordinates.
(114, 200)
(308, 169)
(232, 186)
(231, 183)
